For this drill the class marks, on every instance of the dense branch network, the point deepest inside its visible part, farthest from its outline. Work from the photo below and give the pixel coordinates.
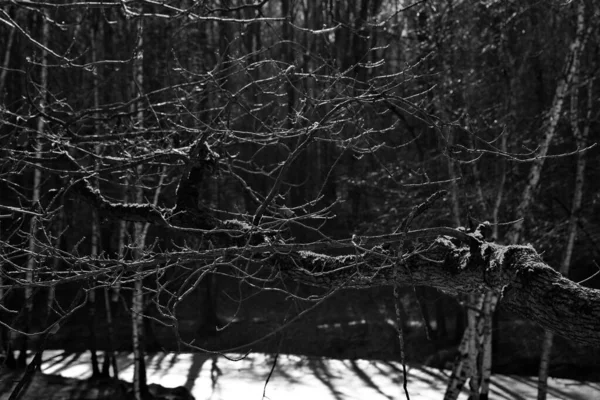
(448, 259)
(252, 123)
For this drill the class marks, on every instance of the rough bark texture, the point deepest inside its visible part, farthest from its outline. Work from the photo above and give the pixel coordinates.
(526, 285)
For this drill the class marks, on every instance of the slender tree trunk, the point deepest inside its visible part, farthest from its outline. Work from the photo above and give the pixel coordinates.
(475, 346)
(137, 309)
(581, 140)
(110, 356)
(289, 58)
(55, 262)
(465, 366)
(484, 337)
(473, 316)
(454, 203)
(123, 226)
(37, 180)
(5, 348)
(111, 295)
(549, 126)
(140, 232)
(489, 306)
(500, 191)
(6, 60)
(96, 52)
(490, 298)
(420, 297)
(544, 365)
(92, 300)
(137, 303)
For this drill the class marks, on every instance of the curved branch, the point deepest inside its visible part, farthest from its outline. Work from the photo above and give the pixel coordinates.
(525, 283)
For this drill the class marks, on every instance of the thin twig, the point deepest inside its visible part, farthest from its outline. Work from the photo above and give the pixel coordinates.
(403, 228)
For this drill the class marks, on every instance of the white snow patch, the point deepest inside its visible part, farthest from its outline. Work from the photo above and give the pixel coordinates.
(211, 377)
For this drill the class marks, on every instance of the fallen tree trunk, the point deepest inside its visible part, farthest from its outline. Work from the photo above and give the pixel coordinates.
(526, 285)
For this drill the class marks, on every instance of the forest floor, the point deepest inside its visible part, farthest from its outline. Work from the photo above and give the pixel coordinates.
(217, 377)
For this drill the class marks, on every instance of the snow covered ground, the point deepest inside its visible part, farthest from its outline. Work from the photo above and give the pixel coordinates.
(297, 377)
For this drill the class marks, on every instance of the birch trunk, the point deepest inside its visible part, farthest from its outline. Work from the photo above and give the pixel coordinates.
(480, 390)
(544, 365)
(467, 352)
(137, 304)
(581, 140)
(473, 315)
(111, 295)
(465, 366)
(571, 68)
(137, 309)
(489, 307)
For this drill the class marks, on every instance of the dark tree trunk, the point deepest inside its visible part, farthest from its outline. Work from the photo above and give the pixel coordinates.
(440, 318)
(92, 341)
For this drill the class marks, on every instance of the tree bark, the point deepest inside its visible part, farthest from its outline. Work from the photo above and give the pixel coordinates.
(140, 388)
(581, 140)
(526, 285)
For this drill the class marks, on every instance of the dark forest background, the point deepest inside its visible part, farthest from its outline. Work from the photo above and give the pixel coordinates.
(318, 119)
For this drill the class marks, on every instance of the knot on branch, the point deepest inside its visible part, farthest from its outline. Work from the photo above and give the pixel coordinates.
(203, 163)
(204, 157)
